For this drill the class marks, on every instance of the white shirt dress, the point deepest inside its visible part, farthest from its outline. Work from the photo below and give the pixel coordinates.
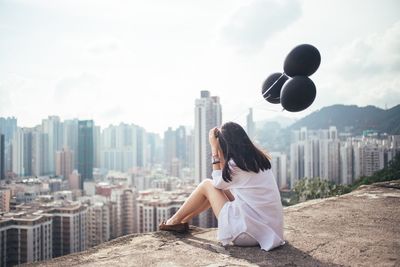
(257, 208)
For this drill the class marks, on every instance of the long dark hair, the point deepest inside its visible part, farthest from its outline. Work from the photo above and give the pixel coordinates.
(236, 145)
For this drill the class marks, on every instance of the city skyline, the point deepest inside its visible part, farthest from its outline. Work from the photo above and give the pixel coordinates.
(106, 109)
(128, 61)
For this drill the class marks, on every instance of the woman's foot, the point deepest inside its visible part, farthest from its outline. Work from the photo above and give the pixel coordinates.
(174, 227)
(171, 221)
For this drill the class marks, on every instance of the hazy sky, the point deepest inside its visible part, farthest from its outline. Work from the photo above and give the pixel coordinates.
(145, 62)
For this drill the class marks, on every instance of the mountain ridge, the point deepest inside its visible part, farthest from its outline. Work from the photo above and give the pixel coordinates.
(352, 118)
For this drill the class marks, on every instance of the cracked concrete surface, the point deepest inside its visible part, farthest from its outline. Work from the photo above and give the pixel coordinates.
(358, 229)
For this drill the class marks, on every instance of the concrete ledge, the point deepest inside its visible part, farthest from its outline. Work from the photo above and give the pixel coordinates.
(358, 229)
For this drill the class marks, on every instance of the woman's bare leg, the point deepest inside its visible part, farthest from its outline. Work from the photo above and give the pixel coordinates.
(205, 206)
(205, 191)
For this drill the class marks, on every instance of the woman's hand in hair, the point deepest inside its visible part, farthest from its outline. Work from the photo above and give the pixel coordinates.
(212, 138)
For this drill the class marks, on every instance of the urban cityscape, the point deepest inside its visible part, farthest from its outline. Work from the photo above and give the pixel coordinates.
(69, 185)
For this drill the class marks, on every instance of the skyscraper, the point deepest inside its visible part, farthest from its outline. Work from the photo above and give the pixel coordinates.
(279, 169)
(180, 135)
(52, 126)
(64, 162)
(25, 237)
(85, 150)
(119, 149)
(96, 146)
(18, 153)
(251, 129)
(154, 148)
(208, 114)
(70, 223)
(329, 158)
(175, 150)
(141, 147)
(70, 138)
(170, 150)
(2, 156)
(347, 163)
(8, 127)
(40, 152)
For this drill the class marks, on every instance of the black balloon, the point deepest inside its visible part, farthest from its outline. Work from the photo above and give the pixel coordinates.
(274, 90)
(298, 93)
(303, 60)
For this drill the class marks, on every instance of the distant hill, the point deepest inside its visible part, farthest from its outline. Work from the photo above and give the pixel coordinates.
(282, 120)
(353, 118)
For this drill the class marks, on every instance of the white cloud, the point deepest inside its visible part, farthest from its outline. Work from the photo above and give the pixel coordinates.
(372, 55)
(367, 70)
(251, 25)
(146, 61)
(104, 46)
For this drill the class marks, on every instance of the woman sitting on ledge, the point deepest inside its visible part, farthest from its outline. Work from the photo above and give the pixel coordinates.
(242, 194)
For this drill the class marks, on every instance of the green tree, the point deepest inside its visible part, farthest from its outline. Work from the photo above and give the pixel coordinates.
(312, 188)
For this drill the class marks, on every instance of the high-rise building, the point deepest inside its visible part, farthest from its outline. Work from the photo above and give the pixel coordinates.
(2, 157)
(175, 151)
(64, 162)
(114, 219)
(312, 157)
(52, 126)
(279, 168)
(8, 127)
(96, 146)
(98, 224)
(296, 162)
(25, 237)
(208, 114)
(69, 228)
(154, 149)
(181, 140)
(250, 125)
(27, 155)
(126, 206)
(119, 147)
(74, 180)
(5, 197)
(329, 157)
(315, 154)
(141, 147)
(70, 138)
(190, 150)
(347, 163)
(170, 148)
(22, 152)
(320, 153)
(40, 152)
(18, 153)
(85, 150)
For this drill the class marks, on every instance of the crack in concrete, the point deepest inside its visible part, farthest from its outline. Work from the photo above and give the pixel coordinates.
(317, 247)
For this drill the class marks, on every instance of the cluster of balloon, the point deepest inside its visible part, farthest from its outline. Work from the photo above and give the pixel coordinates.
(292, 88)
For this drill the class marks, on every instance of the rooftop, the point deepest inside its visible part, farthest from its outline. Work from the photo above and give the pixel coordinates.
(360, 228)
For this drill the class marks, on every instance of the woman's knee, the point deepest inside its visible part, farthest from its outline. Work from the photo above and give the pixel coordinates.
(206, 183)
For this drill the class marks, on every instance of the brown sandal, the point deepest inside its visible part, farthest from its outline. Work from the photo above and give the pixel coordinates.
(179, 227)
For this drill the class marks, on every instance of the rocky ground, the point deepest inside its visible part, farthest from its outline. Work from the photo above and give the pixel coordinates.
(358, 229)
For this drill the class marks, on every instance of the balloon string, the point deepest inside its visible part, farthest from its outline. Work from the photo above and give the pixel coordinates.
(255, 106)
(265, 97)
(269, 89)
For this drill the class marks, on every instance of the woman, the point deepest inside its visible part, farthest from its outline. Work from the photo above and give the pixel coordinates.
(242, 194)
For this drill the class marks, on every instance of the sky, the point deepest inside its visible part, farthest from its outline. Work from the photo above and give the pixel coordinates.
(145, 62)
